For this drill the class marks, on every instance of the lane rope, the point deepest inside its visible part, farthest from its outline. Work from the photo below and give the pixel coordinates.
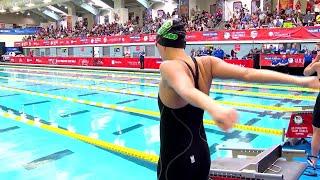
(152, 158)
(236, 104)
(247, 85)
(212, 90)
(242, 127)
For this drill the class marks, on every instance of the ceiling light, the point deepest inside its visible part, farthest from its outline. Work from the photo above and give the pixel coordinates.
(30, 4)
(53, 9)
(101, 4)
(2, 10)
(47, 1)
(15, 8)
(28, 14)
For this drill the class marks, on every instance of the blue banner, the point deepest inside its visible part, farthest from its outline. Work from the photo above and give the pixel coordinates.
(19, 31)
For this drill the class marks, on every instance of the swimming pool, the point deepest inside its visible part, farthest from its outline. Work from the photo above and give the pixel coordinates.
(94, 124)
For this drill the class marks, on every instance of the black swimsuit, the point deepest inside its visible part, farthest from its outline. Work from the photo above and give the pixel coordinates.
(184, 151)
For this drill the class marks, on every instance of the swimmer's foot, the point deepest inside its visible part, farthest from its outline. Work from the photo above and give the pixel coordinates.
(312, 161)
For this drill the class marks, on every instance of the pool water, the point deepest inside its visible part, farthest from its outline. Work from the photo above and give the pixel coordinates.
(120, 109)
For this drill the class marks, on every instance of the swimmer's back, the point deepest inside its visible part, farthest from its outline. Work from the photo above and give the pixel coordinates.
(205, 64)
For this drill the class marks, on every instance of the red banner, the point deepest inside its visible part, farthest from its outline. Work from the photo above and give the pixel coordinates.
(300, 125)
(299, 33)
(243, 63)
(149, 63)
(294, 60)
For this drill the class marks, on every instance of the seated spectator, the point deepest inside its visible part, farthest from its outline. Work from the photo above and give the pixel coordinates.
(281, 50)
(219, 53)
(233, 54)
(294, 49)
(278, 22)
(272, 49)
(193, 53)
(308, 56)
(303, 50)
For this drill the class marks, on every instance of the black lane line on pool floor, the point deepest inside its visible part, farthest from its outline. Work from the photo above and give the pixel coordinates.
(56, 89)
(140, 162)
(9, 129)
(33, 84)
(267, 98)
(131, 113)
(128, 129)
(34, 103)
(28, 116)
(75, 113)
(9, 95)
(47, 159)
(213, 148)
(127, 101)
(252, 121)
(124, 88)
(275, 115)
(233, 135)
(217, 98)
(88, 94)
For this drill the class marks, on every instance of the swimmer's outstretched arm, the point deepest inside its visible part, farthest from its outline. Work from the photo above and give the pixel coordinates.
(225, 70)
(312, 67)
(177, 77)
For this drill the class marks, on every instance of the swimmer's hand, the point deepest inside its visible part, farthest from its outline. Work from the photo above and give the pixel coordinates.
(225, 118)
(309, 82)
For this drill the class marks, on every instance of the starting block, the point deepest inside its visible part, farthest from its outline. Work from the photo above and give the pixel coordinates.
(270, 164)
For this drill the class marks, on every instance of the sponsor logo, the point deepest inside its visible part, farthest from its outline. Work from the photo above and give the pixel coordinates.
(298, 120)
(254, 34)
(210, 34)
(270, 33)
(226, 35)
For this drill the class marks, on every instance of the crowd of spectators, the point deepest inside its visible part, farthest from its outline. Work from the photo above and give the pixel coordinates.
(199, 21)
(220, 53)
(285, 18)
(284, 49)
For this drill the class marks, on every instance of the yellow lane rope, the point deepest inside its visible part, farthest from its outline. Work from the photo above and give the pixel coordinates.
(247, 85)
(222, 91)
(152, 158)
(242, 127)
(236, 104)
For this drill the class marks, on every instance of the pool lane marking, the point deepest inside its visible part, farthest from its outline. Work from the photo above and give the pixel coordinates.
(84, 70)
(247, 85)
(236, 104)
(47, 159)
(97, 142)
(9, 129)
(140, 111)
(232, 92)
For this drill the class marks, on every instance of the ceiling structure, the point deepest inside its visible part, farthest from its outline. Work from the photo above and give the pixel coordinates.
(57, 9)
